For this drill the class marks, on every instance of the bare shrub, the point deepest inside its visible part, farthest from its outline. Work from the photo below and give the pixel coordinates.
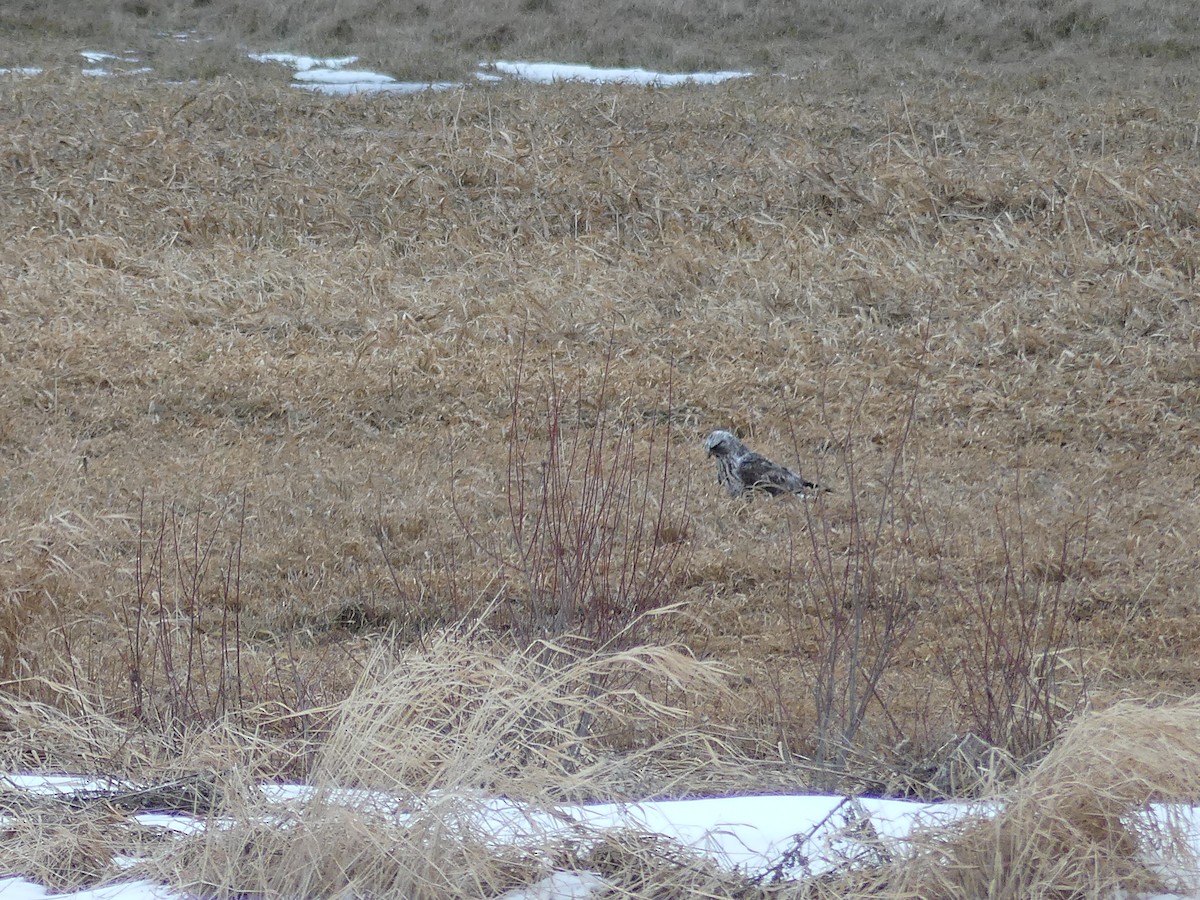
(860, 573)
(189, 666)
(178, 676)
(591, 545)
(853, 576)
(1020, 679)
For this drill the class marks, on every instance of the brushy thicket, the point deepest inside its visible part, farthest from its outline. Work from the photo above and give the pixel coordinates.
(260, 413)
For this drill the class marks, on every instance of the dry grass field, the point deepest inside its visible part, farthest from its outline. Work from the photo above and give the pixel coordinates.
(287, 379)
(418, 39)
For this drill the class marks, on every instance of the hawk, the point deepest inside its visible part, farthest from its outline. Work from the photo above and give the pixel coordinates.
(740, 469)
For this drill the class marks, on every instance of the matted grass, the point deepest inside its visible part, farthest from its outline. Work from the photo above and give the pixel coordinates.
(414, 39)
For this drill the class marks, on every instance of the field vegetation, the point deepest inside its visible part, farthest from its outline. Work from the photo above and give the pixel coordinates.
(318, 416)
(422, 40)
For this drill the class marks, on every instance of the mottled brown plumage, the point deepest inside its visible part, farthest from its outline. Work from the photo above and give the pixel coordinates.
(740, 469)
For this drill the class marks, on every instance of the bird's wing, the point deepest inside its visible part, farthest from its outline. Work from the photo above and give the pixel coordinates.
(727, 476)
(757, 471)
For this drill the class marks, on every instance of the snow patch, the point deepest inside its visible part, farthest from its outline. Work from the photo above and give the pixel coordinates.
(303, 63)
(800, 835)
(392, 87)
(548, 73)
(560, 886)
(330, 75)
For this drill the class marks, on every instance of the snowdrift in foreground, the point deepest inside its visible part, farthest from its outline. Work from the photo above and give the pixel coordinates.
(791, 836)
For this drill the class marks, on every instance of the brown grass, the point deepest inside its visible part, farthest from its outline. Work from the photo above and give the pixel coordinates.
(1079, 825)
(414, 39)
(206, 295)
(224, 291)
(435, 735)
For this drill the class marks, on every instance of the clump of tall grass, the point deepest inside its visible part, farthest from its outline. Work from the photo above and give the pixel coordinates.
(1083, 823)
(401, 799)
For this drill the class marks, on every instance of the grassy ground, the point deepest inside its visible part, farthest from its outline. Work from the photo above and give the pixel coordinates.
(259, 403)
(415, 39)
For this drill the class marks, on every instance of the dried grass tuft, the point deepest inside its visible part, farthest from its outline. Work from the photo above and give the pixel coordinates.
(323, 849)
(1078, 825)
(529, 724)
(62, 848)
(399, 802)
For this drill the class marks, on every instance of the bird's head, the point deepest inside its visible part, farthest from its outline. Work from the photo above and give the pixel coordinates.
(720, 443)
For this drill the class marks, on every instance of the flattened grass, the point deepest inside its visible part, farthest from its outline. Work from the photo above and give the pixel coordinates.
(226, 290)
(412, 39)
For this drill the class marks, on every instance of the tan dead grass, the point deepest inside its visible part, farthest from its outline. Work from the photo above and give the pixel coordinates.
(437, 736)
(227, 290)
(456, 718)
(319, 302)
(1080, 824)
(413, 39)
(63, 848)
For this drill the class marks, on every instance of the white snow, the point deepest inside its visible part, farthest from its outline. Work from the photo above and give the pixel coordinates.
(303, 63)
(342, 76)
(48, 783)
(547, 72)
(21, 70)
(99, 56)
(352, 81)
(331, 76)
(560, 886)
(394, 87)
(801, 834)
(19, 889)
(167, 821)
